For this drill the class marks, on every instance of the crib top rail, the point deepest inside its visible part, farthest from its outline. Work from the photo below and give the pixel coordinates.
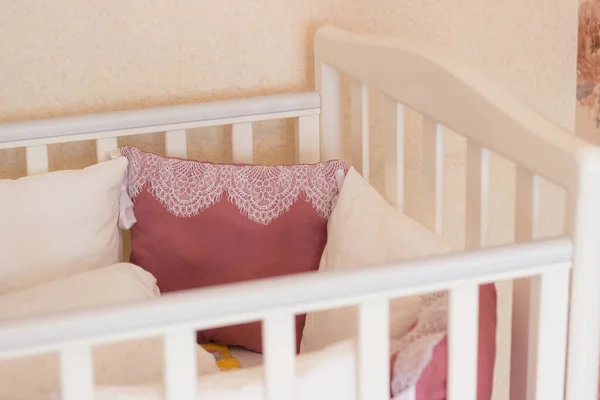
(250, 301)
(455, 95)
(156, 119)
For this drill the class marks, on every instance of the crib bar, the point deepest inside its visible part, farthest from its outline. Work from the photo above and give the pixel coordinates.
(462, 342)
(433, 178)
(176, 143)
(550, 295)
(329, 85)
(374, 350)
(526, 221)
(105, 146)
(296, 294)
(76, 372)
(583, 219)
(477, 195)
(279, 352)
(307, 139)
(394, 153)
(37, 159)
(359, 123)
(180, 364)
(241, 141)
(158, 119)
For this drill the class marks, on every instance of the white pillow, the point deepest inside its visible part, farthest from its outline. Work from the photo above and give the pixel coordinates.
(132, 362)
(364, 230)
(59, 223)
(323, 375)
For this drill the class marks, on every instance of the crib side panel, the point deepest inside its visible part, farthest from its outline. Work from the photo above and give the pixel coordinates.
(492, 121)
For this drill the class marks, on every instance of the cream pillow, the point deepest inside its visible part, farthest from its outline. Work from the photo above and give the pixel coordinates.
(132, 362)
(59, 223)
(364, 230)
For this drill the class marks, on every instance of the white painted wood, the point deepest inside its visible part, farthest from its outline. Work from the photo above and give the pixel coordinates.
(288, 295)
(76, 372)
(176, 143)
(584, 312)
(470, 103)
(157, 128)
(37, 159)
(329, 85)
(526, 221)
(307, 139)
(359, 127)
(548, 335)
(279, 349)
(180, 364)
(433, 175)
(477, 199)
(104, 146)
(462, 342)
(394, 153)
(241, 141)
(159, 119)
(374, 350)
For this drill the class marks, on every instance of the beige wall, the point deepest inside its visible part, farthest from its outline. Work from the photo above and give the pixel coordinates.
(63, 57)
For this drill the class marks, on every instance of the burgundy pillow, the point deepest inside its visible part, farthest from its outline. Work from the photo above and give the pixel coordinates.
(202, 224)
(433, 380)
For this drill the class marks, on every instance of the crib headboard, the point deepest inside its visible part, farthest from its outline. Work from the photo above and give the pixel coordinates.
(453, 95)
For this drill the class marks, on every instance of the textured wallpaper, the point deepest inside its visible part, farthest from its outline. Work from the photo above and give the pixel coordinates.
(65, 57)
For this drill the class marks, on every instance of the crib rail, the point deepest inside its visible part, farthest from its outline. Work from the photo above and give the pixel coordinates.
(158, 119)
(275, 301)
(106, 128)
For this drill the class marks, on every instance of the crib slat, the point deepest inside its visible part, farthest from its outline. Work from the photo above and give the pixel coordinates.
(76, 372)
(329, 84)
(279, 351)
(307, 139)
(180, 364)
(374, 350)
(176, 143)
(550, 292)
(37, 159)
(526, 220)
(105, 146)
(477, 195)
(394, 153)
(359, 123)
(462, 343)
(433, 175)
(241, 140)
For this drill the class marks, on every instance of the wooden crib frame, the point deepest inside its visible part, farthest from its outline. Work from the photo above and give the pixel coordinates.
(556, 317)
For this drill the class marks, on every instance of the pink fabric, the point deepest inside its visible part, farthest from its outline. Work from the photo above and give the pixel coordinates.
(198, 226)
(433, 380)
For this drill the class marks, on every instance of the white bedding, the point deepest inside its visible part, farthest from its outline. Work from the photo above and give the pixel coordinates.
(134, 362)
(246, 358)
(324, 375)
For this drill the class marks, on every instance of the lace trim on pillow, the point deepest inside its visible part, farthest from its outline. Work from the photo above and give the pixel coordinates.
(415, 349)
(262, 193)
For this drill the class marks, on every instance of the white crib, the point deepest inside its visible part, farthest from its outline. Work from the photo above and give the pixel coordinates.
(556, 313)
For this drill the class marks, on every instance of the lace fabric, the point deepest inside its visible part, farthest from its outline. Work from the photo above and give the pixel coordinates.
(415, 349)
(261, 193)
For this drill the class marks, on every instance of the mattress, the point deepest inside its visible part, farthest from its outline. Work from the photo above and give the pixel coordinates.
(246, 358)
